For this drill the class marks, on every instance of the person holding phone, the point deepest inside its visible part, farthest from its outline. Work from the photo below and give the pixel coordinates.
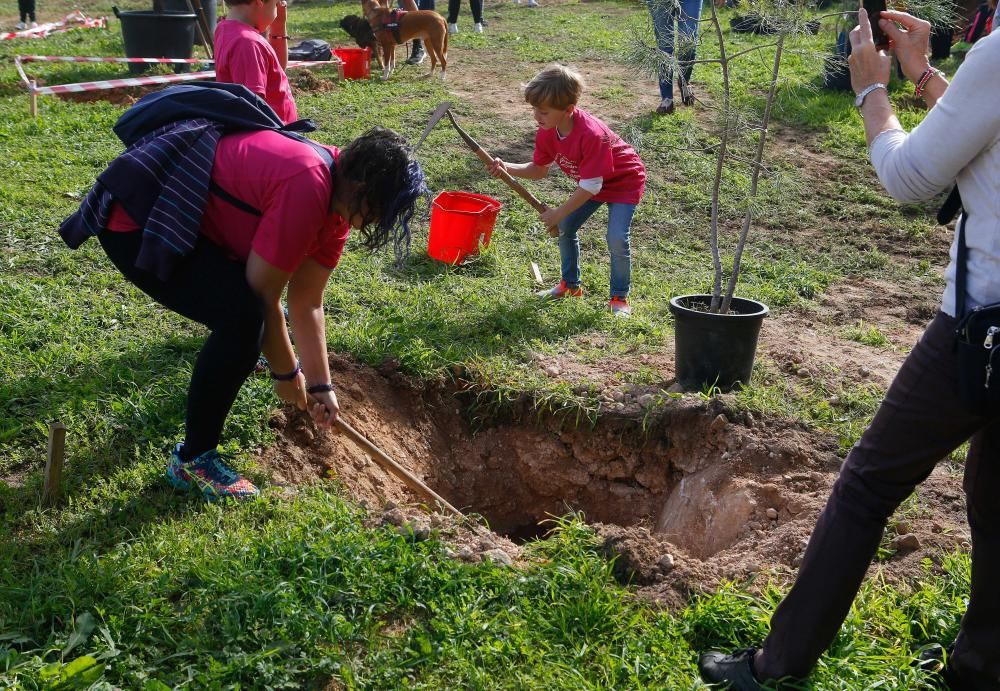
(922, 418)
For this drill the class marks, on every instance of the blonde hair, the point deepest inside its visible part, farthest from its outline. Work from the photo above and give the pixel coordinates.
(556, 86)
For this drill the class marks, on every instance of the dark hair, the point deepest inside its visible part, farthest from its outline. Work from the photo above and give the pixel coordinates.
(390, 185)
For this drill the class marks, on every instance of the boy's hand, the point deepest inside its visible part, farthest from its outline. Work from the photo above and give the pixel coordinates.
(498, 167)
(551, 217)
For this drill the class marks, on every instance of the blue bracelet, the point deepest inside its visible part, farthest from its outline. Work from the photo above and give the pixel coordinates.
(287, 377)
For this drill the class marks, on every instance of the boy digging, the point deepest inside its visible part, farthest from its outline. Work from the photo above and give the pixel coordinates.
(606, 169)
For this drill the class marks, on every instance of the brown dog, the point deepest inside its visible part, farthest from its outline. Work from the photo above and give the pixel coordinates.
(392, 27)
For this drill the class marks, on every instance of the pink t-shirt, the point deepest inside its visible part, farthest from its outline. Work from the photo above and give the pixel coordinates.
(284, 179)
(243, 56)
(592, 150)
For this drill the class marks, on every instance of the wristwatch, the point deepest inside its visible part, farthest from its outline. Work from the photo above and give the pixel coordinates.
(867, 90)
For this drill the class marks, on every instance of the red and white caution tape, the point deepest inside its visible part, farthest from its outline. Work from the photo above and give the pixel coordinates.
(74, 20)
(139, 81)
(69, 58)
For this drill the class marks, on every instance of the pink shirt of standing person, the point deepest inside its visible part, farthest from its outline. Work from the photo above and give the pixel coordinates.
(244, 56)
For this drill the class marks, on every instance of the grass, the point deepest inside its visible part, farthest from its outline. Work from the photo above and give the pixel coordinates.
(127, 584)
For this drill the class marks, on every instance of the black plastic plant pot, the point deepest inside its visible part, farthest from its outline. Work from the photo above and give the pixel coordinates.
(715, 350)
(157, 35)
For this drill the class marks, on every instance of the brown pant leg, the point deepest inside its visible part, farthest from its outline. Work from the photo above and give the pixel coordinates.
(919, 422)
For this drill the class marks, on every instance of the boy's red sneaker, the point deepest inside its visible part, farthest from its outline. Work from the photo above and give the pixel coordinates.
(619, 306)
(561, 291)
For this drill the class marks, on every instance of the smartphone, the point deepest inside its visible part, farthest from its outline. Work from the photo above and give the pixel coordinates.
(874, 9)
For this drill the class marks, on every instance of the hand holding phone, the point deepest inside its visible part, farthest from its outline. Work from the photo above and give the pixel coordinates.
(874, 8)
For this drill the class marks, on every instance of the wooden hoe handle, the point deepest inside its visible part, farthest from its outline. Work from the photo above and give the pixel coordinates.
(408, 478)
(503, 175)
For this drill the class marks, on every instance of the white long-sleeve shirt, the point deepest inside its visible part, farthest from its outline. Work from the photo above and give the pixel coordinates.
(957, 142)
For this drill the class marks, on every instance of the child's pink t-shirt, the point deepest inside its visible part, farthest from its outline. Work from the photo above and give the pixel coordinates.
(592, 150)
(284, 179)
(243, 56)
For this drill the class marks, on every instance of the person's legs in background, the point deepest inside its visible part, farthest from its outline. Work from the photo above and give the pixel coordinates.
(687, 38)
(663, 17)
(453, 8)
(418, 54)
(26, 9)
(477, 15)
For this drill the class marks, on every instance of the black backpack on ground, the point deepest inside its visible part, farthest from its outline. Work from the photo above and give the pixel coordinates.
(310, 50)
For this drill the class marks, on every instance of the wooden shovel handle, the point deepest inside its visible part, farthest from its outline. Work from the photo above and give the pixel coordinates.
(487, 160)
(408, 478)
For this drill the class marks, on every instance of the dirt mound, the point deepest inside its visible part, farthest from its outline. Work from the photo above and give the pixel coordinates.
(682, 495)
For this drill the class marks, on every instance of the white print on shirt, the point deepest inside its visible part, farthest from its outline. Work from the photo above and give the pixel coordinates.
(569, 167)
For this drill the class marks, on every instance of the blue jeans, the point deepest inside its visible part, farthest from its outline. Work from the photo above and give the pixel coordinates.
(619, 225)
(686, 13)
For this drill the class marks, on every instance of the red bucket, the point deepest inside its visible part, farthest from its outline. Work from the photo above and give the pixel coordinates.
(460, 223)
(357, 62)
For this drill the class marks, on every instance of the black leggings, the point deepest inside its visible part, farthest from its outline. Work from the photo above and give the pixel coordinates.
(455, 5)
(27, 9)
(211, 289)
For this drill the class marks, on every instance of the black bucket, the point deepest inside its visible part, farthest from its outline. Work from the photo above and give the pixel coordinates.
(157, 35)
(207, 6)
(715, 349)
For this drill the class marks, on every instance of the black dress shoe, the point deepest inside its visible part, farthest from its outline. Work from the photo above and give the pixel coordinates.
(734, 672)
(936, 660)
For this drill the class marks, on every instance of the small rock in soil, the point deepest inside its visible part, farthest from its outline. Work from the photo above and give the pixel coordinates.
(902, 527)
(551, 370)
(393, 517)
(465, 553)
(719, 422)
(675, 388)
(905, 543)
(618, 395)
(772, 514)
(666, 562)
(498, 556)
(864, 371)
(646, 400)
(803, 373)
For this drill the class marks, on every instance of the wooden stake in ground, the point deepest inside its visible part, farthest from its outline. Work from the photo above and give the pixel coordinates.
(408, 478)
(537, 274)
(34, 98)
(54, 464)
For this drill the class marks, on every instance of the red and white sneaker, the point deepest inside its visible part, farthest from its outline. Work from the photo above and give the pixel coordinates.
(560, 291)
(620, 307)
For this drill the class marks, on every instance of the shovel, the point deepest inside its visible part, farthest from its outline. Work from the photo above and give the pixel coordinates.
(445, 109)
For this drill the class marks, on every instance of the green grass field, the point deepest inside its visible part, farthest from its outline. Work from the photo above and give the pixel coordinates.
(129, 585)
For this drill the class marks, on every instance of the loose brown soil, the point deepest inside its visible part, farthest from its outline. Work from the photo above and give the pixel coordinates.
(725, 495)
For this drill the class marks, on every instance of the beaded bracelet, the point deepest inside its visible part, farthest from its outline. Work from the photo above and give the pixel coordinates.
(287, 377)
(320, 388)
(924, 78)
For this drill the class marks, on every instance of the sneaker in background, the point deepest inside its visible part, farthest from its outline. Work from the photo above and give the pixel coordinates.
(478, 28)
(453, 28)
(532, 3)
(20, 26)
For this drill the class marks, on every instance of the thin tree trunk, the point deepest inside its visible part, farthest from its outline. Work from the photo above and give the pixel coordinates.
(720, 164)
(758, 158)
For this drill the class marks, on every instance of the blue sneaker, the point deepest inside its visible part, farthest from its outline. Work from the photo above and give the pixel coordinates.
(210, 475)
